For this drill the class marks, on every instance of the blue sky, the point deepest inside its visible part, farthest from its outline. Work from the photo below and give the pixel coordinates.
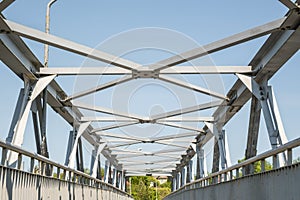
(97, 23)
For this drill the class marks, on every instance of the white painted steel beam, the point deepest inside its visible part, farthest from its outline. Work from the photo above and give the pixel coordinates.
(278, 48)
(192, 87)
(70, 71)
(181, 126)
(18, 57)
(81, 129)
(175, 136)
(67, 45)
(207, 70)
(220, 44)
(186, 119)
(99, 88)
(96, 158)
(108, 119)
(114, 126)
(21, 124)
(110, 70)
(168, 115)
(170, 144)
(104, 110)
(121, 136)
(112, 147)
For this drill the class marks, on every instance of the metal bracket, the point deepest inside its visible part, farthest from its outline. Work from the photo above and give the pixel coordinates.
(72, 157)
(269, 107)
(145, 74)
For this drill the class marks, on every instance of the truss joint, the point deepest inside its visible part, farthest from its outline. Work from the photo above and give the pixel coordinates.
(145, 73)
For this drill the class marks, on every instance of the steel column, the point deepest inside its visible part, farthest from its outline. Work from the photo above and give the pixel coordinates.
(76, 139)
(106, 171)
(189, 173)
(32, 90)
(273, 122)
(200, 162)
(95, 169)
(254, 121)
(183, 175)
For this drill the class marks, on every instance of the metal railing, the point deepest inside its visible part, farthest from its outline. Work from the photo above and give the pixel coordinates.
(56, 170)
(238, 170)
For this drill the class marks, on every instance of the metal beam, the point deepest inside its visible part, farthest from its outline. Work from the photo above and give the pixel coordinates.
(18, 57)
(121, 136)
(73, 153)
(104, 110)
(118, 125)
(187, 119)
(192, 87)
(180, 126)
(4, 4)
(278, 48)
(67, 45)
(110, 70)
(220, 44)
(167, 116)
(253, 128)
(207, 70)
(108, 119)
(70, 71)
(99, 88)
(289, 4)
(112, 147)
(95, 159)
(174, 136)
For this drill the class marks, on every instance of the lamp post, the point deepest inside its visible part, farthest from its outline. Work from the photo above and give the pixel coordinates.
(47, 30)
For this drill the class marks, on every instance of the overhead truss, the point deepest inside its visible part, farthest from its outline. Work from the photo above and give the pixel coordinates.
(179, 146)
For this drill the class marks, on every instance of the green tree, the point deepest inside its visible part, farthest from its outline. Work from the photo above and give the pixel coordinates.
(297, 160)
(257, 166)
(144, 188)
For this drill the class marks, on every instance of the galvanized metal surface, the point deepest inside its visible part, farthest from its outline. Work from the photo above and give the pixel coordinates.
(16, 184)
(281, 45)
(278, 184)
(71, 183)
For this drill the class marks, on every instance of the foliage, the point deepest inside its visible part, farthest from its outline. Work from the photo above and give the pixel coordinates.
(144, 188)
(257, 166)
(296, 160)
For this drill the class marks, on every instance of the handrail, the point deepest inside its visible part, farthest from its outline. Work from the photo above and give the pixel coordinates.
(271, 153)
(7, 146)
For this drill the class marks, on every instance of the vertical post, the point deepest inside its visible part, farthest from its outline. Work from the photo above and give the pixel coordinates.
(36, 132)
(95, 169)
(31, 92)
(114, 179)
(47, 30)
(200, 162)
(177, 180)
(189, 174)
(43, 123)
(123, 180)
(221, 143)
(219, 151)
(76, 150)
(253, 129)
(183, 176)
(72, 136)
(216, 156)
(106, 171)
(79, 156)
(173, 180)
(270, 110)
(109, 174)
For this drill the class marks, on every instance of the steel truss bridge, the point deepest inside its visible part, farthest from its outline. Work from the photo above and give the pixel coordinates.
(41, 90)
